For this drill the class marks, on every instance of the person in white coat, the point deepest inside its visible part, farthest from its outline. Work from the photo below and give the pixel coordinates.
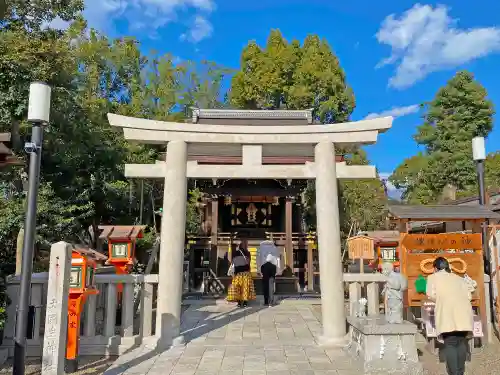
(453, 313)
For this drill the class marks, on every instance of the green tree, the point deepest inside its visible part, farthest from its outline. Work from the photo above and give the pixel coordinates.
(294, 76)
(37, 14)
(459, 112)
(492, 169)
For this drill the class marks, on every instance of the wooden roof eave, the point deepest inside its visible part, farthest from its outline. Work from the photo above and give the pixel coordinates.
(441, 213)
(131, 232)
(10, 161)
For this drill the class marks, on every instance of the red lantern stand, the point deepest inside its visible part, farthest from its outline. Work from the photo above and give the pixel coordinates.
(121, 247)
(81, 285)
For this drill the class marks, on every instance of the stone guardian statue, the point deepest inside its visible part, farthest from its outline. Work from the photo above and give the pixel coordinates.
(393, 294)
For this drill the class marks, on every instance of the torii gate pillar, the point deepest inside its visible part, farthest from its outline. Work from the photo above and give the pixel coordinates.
(173, 226)
(328, 228)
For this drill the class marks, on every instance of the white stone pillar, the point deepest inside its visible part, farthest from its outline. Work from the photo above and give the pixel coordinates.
(329, 246)
(173, 223)
(56, 316)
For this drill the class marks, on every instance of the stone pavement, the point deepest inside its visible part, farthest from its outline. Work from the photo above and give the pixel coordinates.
(224, 340)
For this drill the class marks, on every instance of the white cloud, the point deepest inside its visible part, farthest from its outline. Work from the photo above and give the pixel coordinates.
(426, 39)
(149, 15)
(392, 192)
(395, 112)
(200, 29)
(57, 23)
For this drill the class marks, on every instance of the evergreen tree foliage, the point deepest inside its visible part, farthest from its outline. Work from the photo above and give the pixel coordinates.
(294, 76)
(459, 112)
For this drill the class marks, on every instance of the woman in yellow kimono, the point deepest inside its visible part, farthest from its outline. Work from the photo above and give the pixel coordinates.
(242, 289)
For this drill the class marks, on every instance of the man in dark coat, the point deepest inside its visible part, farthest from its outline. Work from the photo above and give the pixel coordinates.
(268, 270)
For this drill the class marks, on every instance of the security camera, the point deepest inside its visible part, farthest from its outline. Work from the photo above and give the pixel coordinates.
(30, 147)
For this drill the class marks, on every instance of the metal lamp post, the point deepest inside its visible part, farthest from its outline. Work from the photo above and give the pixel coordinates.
(38, 115)
(479, 155)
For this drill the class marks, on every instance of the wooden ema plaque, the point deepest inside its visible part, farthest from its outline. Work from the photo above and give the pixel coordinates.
(463, 252)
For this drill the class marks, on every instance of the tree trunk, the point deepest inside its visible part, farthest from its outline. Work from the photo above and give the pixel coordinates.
(19, 251)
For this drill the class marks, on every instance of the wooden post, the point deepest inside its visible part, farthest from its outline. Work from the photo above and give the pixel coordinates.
(288, 232)
(214, 246)
(215, 220)
(310, 267)
(76, 303)
(494, 273)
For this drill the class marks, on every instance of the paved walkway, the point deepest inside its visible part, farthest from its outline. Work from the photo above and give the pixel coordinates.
(282, 340)
(224, 340)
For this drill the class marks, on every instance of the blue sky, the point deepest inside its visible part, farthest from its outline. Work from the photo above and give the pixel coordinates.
(396, 54)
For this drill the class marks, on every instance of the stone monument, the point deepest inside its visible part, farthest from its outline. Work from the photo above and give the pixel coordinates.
(386, 343)
(56, 317)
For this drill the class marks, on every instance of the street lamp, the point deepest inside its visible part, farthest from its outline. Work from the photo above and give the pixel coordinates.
(479, 155)
(38, 115)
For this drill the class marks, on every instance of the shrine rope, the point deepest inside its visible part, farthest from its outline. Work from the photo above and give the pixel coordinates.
(426, 266)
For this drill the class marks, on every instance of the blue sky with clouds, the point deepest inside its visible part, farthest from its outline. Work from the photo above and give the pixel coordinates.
(396, 54)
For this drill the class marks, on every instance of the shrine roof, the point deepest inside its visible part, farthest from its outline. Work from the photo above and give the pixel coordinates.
(91, 253)
(382, 235)
(252, 117)
(121, 231)
(442, 213)
(6, 155)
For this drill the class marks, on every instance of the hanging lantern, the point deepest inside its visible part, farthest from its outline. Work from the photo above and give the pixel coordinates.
(276, 201)
(227, 200)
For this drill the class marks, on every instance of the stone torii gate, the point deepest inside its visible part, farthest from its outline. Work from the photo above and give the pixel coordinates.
(182, 138)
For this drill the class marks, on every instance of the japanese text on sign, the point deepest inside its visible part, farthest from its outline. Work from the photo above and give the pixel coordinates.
(442, 241)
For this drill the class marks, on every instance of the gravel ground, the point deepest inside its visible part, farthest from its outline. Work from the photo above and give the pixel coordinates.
(485, 361)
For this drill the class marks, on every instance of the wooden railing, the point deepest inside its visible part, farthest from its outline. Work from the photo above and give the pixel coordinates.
(109, 326)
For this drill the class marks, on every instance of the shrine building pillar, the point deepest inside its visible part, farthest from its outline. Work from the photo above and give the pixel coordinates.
(329, 246)
(171, 262)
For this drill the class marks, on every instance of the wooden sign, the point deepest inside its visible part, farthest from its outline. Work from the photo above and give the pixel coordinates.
(442, 241)
(361, 247)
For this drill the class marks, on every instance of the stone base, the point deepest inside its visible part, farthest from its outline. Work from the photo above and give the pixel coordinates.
(383, 347)
(335, 342)
(162, 344)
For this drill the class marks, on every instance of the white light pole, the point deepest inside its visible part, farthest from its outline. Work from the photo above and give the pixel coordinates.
(479, 155)
(38, 115)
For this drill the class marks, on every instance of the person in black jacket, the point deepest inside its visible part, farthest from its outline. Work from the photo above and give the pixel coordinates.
(268, 270)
